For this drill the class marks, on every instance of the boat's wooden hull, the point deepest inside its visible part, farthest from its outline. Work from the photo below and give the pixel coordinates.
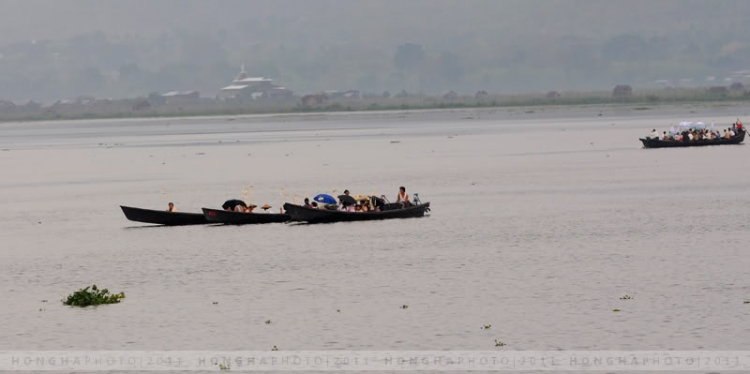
(313, 215)
(655, 143)
(160, 217)
(237, 218)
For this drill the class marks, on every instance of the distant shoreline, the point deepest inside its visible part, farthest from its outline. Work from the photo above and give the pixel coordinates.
(642, 101)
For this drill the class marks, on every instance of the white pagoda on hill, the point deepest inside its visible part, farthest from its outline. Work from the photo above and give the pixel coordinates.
(248, 87)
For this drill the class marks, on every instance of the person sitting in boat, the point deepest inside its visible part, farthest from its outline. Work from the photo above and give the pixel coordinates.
(665, 137)
(307, 203)
(266, 208)
(654, 134)
(726, 134)
(365, 204)
(315, 205)
(731, 133)
(404, 198)
(171, 208)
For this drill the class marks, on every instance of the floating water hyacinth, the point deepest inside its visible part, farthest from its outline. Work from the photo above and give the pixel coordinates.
(499, 343)
(486, 327)
(626, 297)
(85, 297)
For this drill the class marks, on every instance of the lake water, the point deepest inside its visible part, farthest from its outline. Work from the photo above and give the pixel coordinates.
(541, 222)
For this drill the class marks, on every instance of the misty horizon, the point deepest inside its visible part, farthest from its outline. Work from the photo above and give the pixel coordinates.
(52, 50)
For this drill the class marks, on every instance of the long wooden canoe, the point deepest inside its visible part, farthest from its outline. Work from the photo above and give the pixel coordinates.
(160, 217)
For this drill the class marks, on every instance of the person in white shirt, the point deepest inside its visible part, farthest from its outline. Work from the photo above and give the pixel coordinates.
(731, 133)
(654, 134)
(404, 198)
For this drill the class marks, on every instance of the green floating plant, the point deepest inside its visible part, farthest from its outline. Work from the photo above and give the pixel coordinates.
(275, 348)
(626, 297)
(223, 367)
(499, 343)
(404, 306)
(85, 297)
(486, 327)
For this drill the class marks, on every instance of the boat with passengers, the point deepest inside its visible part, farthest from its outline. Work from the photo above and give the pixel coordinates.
(690, 134)
(357, 208)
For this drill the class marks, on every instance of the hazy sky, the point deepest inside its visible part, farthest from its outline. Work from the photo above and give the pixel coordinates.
(84, 46)
(51, 19)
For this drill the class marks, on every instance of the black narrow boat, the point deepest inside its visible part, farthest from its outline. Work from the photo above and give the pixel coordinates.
(160, 217)
(238, 218)
(314, 215)
(657, 143)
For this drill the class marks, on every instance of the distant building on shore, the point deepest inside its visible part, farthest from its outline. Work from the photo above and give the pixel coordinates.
(181, 97)
(247, 87)
(348, 94)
